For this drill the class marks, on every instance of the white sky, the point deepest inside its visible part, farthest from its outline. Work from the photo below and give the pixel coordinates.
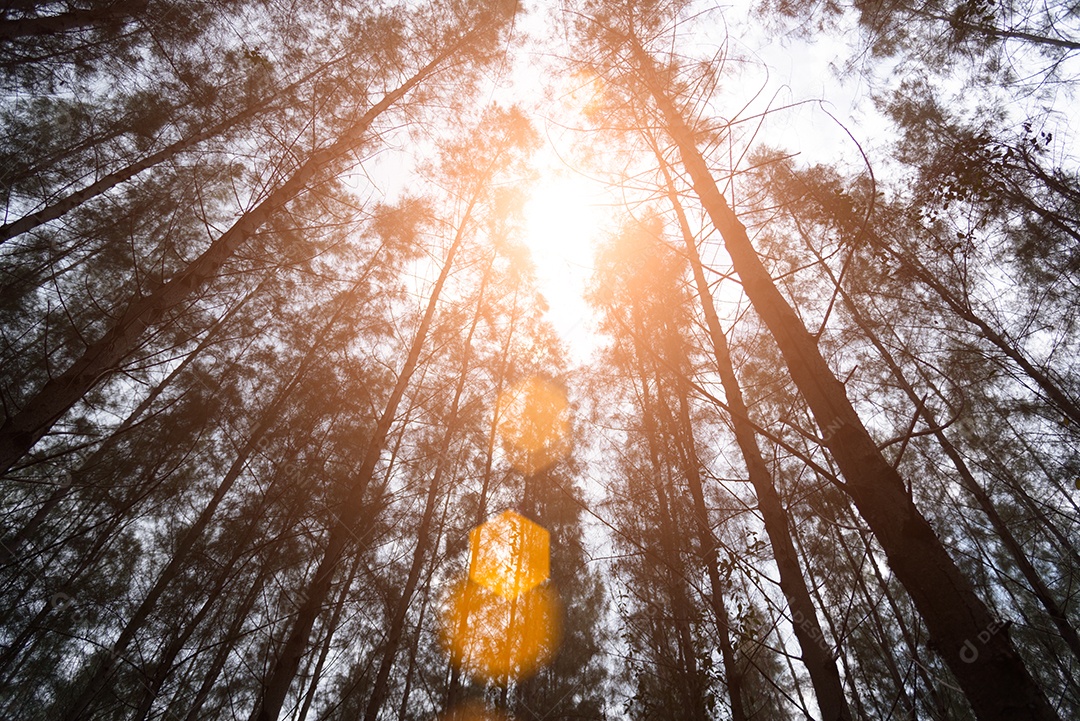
(568, 211)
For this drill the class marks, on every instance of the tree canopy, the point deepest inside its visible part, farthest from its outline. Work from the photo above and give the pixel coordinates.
(293, 427)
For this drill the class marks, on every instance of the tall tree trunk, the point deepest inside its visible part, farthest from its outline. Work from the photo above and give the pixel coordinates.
(681, 433)
(820, 664)
(410, 672)
(423, 531)
(691, 469)
(327, 642)
(669, 545)
(62, 206)
(1054, 393)
(21, 431)
(11, 545)
(993, 676)
(268, 704)
(71, 20)
(967, 479)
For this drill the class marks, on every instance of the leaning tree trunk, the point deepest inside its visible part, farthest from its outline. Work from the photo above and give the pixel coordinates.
(21, 431)
(972, 642)
(11, 545)
(268, 705)
(121, 11)
(423, 531)
(820, 664)
(962, 309)
(66, 204)
(708, 542)
(967, 479)
(327, 641)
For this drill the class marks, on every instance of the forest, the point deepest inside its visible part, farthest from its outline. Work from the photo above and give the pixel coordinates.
(293, 429)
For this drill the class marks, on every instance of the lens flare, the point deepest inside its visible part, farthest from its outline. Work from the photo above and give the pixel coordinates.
(504, 621)
(534, 424)
(509, 554)
(498, 639)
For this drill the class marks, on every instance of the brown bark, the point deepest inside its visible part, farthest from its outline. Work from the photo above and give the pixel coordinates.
(994, 678)
(268, 705)
(21, 431)
(820, 664)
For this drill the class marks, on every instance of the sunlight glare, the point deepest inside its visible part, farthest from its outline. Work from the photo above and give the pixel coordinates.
(563, 217)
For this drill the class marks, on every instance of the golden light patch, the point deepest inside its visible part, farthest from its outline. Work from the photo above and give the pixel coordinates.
(499, 639)
(509, 554)
(534, 424)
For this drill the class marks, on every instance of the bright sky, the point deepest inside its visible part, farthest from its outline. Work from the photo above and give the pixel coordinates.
(564, 215)
(568, 211)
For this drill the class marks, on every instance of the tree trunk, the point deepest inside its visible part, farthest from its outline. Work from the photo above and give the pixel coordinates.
(423, 531)
(993, 676)
(62, 206)
(676, 580)
(820, 664)
(324, 652)
(268, 705)
(971, 485)
(11, 546)
(71, 20)
(21, 431)
(691, 468)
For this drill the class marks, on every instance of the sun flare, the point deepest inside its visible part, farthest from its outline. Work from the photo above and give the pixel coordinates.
(562, 216)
